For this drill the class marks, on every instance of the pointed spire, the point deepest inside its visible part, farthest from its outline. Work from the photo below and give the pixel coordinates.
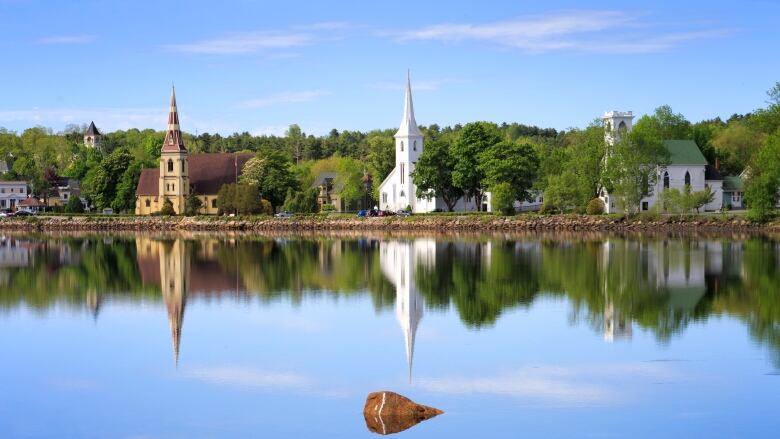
(173, 138)
(408, 123)
(175, 319)
(92, 130)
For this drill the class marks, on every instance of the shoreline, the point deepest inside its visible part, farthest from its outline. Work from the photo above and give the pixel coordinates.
(419, 223)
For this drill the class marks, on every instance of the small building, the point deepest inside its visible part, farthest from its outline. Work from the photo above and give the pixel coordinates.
(63, 190)
(733, 192)
(92, 137)
(329, 189)
(31, 204)
(180, 172)
(12, 193)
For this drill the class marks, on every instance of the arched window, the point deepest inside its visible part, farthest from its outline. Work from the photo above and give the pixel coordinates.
(182, 166)
(687, 178)
(666, 180)
(402, 146)
(170, 165)
(622, 125)
(415, 145)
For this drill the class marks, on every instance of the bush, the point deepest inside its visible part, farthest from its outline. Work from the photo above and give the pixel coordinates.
(193, 204)
(74, 205)
(595, 207)
(167, 208)
(548, 209)
(327, 207)
(502, 200)
(266, 208)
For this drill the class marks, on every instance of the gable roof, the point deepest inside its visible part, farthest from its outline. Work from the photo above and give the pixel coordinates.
(207, 172)
(684, 152)
(30, 202)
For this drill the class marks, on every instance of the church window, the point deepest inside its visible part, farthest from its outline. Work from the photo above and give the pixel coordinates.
(666, 180)
(402, 194)
(622, 125)
(170, 165)
(384, 197)
(687, 178)
(214, 203)
(402, 146)
(173, 187)
(402, 170)
(415, 145)
(182, 166)
(148, 202)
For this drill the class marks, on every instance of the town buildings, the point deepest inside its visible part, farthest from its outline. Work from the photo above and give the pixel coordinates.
(180, 172)
(12, 193)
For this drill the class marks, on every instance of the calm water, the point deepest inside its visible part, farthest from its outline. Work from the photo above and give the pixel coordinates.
(189, 336)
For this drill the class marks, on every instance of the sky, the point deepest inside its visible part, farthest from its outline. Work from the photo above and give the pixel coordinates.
(259, 66)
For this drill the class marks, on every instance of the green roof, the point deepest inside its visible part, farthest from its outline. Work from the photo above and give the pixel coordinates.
(684, 152)
(732, 183)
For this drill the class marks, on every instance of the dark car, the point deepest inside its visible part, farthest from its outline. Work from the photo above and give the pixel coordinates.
(23, 213)
(362, 214)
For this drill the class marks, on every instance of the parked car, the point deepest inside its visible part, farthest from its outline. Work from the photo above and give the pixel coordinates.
(24, 213)
(404, 212)
(284, 214)
(386, 213)
(363, 213)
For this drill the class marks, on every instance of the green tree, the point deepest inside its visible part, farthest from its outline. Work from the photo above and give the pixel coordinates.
(672, 126)
(502, 199)
(562, 192)
(472, 140)
(510, 162)
(74, 205)
(275, 176)
(192, 204)
(433, 174)
(735, 145)
(226, 199)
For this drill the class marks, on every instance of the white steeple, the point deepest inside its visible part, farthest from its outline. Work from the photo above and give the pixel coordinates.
(408, 126)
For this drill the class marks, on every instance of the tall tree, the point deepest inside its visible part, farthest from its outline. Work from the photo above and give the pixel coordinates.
(472, 140)
(510, 162)
(433, 172)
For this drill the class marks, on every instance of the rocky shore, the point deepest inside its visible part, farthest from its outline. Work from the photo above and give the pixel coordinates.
(420, 223)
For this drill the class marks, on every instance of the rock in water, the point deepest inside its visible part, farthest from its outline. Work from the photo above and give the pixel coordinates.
(389, 412)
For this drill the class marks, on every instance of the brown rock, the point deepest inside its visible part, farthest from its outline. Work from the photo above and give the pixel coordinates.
(388, 412)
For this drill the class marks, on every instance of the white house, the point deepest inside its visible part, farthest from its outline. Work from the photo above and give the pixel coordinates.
(687, 166)
(12, 193)
(398, 191)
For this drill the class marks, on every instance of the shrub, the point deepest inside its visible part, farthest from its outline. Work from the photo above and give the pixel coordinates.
(266, 208)
(167, 208)
(193, 204)
(502, 200)
(327, 207)
(74, 205)
(595, 207)
(548, 209)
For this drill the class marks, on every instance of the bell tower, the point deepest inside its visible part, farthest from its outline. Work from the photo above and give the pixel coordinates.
(174, 166)
(615, 123)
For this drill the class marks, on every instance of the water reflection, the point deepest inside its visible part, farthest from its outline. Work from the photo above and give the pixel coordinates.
(616, 285)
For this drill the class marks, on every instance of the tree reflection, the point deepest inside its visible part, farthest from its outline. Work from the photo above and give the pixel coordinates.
(614, 284)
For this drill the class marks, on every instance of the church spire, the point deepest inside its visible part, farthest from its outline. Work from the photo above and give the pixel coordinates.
(408, 124)
(173, 138)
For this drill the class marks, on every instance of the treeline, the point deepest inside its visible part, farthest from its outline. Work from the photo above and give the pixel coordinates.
(513, 161)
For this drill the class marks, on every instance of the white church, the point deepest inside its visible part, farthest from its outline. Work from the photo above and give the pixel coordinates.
(397, 191)
(687, 166)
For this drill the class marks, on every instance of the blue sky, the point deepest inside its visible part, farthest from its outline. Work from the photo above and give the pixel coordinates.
(259, 66)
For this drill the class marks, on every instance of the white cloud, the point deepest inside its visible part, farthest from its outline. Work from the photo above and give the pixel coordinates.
(292, 97)
(578, 31)
(562, 386)
(67, 39)
(242, 43)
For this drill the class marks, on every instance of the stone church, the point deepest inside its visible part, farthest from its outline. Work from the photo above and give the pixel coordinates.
(181, 172)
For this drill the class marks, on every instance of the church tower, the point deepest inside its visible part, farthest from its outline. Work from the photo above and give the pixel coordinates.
(174, 167)
(616, 122)
(174, 279)
(92, 137)
(408, 147)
